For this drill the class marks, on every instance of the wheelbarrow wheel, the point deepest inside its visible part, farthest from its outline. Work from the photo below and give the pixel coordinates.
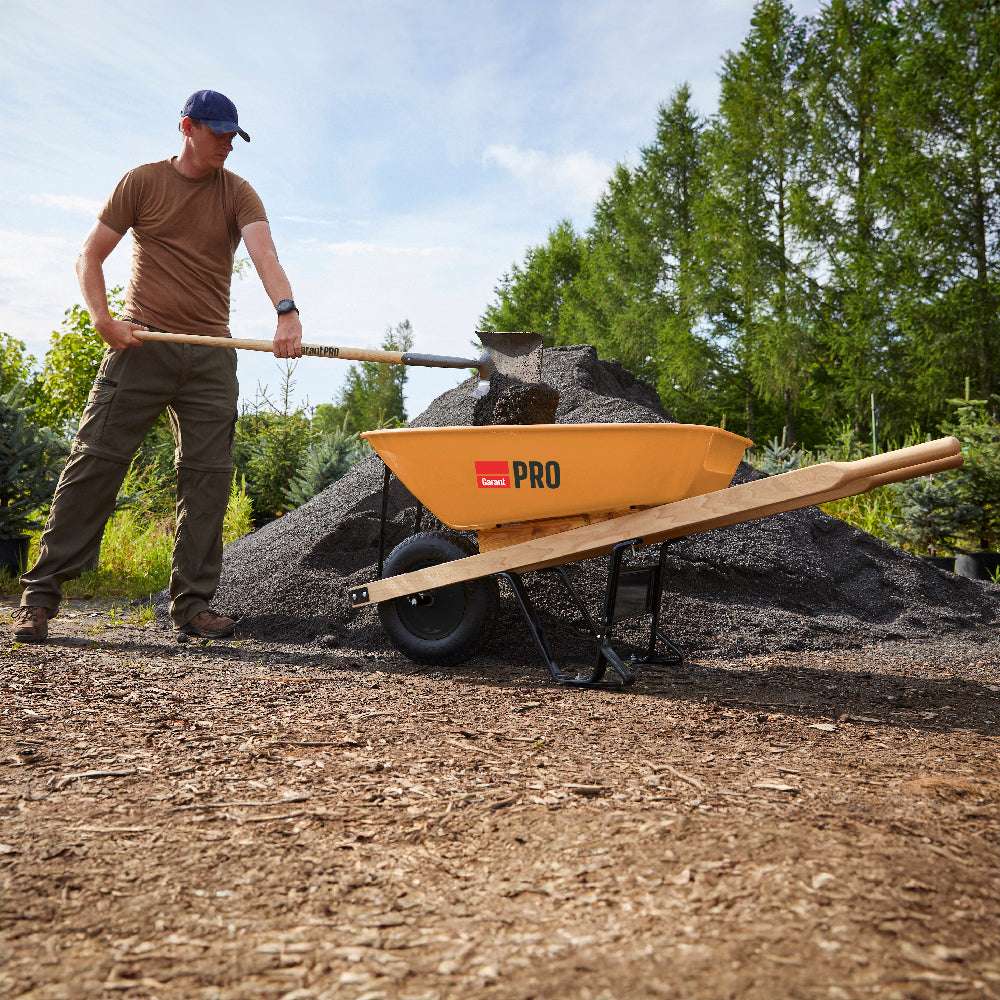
(444, 626)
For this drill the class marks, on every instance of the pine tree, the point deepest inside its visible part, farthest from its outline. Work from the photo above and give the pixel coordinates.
(30, 460)
(944, 154)
(530, 296)
(672, 185)
(372, 395)
(325, 461)
(612, 303)
(848, 57)
(758, 273)
(763, 117)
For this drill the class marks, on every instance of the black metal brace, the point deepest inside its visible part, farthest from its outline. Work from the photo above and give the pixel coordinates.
(600, 629)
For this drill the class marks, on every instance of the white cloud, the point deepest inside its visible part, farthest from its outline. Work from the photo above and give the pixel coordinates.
(580, 176)
(311, 221)
(68, 203)
(357, 248)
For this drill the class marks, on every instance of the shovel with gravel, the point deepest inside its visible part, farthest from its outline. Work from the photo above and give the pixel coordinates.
(517, 357)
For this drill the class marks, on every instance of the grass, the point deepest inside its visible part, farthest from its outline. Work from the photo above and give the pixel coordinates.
(876, 513)
(136, 552)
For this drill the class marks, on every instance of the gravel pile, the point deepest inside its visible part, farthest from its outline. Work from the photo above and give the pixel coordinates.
(800, 580)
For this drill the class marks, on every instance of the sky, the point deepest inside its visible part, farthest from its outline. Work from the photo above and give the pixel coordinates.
(407, 153)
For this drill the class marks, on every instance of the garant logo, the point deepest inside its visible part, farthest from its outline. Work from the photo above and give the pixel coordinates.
(534, 475)
(493, 475)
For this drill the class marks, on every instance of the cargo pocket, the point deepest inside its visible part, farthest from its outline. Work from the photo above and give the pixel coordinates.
(98, 409)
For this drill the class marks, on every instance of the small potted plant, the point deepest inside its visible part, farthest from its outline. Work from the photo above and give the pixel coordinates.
(977, 427)
(29, 469)
(934, 514)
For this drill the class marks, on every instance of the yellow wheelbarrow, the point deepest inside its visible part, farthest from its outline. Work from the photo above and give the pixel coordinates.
(539, 497)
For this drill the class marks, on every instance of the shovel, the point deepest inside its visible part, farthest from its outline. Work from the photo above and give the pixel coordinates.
(516, 355)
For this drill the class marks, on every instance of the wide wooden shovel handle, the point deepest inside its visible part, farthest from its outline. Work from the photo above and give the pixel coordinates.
(267, 346)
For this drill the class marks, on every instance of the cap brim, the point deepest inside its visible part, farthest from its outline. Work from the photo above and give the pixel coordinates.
(220, 128)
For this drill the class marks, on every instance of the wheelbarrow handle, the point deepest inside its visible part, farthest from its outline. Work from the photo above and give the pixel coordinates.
(902, 458)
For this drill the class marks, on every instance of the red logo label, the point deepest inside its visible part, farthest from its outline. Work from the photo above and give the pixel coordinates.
(493, 475)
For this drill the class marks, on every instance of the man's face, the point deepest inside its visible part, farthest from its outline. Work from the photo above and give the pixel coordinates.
(209, 147)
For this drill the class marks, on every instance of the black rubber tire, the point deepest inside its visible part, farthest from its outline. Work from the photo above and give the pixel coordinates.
(448, 625)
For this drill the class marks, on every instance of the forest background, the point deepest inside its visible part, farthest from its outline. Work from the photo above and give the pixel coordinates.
(815, 266)
(828, 238)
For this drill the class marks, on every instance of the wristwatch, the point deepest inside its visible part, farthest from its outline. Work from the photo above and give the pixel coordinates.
(286, 306)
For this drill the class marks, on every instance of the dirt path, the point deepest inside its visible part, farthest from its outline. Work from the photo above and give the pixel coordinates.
(242, 819)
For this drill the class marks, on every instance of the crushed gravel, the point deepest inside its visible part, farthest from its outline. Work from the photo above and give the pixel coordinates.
(795, 581)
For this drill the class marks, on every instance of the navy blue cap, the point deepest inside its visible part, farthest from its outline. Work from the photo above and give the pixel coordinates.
(214, 110)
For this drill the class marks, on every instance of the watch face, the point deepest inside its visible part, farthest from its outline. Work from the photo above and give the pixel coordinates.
(285, 306)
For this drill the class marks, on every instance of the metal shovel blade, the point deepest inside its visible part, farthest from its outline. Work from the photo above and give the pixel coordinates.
(517, 355)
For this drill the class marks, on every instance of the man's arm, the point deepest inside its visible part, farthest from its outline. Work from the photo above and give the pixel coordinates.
(99, 243)
(288, 335)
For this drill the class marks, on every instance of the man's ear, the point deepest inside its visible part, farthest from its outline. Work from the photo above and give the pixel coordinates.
(185, 125)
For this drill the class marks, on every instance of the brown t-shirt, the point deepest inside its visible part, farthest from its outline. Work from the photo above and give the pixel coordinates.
(186, 235)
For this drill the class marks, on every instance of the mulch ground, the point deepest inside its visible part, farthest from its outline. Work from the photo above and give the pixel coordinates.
(242, 819)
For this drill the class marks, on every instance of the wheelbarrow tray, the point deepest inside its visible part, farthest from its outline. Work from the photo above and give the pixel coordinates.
(480, 478)
(749, 501)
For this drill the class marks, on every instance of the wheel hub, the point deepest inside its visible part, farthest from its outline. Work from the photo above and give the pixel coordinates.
(433, 615)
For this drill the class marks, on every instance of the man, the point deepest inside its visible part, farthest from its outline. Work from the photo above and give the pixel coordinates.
(188, 215)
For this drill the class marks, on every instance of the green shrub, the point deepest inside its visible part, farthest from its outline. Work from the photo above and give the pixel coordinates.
(136, 551)
(877, 513)
(239, 512)
(776, 457)
(326, 460)
(15, 364)
(932, 514)
(30, 461)
(978, 481)
(70, 364)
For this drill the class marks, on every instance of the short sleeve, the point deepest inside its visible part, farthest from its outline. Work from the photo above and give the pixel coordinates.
(249, 207)
(121, 210)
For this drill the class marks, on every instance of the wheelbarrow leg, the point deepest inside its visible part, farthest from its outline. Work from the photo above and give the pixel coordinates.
(386, 479)
(675, 657)
(606, 656)
(534, 625)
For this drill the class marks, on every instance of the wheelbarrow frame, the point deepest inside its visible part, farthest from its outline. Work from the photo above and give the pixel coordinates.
(616, 608)
(737, 504)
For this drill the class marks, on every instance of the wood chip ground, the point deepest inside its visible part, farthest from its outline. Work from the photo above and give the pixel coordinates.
(242, 819)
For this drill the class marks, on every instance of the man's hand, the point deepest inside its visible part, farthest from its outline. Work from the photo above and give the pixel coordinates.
(118, 334)
(288, 336)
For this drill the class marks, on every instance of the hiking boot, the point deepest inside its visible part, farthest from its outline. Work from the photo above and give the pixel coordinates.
(209, 625)
(30, 624)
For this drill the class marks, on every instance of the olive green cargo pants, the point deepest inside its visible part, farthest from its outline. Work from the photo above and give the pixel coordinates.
(198, 388)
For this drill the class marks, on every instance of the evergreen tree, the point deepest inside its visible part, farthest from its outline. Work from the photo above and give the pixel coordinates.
(944, 155)
(672, 186)
(638, 294)
(612, 303)
(30, 459)
(762, 122)
(325, 461)
(732, 233)
(530, 296)
(269, 448)
(372, 395)
(849, 54)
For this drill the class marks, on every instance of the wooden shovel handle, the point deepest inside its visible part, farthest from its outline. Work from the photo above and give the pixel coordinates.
(267, 346)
